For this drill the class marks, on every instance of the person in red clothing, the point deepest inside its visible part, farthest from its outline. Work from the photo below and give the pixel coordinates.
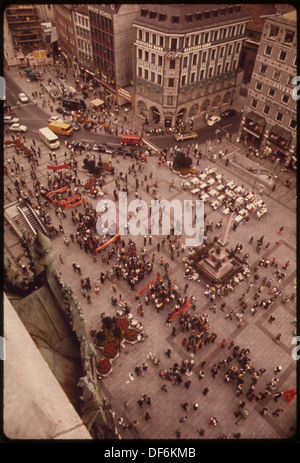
(286, 265)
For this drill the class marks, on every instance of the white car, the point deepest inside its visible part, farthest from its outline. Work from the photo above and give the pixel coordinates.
(213, 120)
(18, 128)
(23, 98)
(55, 118)
(10, 119)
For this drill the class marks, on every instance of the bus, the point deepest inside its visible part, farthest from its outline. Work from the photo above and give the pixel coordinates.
(61, 128)
(131, 139)
(73, 104)
(49, 138)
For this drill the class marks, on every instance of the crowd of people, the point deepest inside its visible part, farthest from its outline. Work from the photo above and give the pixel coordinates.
(126, 259)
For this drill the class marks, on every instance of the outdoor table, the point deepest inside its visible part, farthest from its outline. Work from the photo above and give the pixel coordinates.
(195, 190)
(211, 181)
(231, 184)
(203, 176)
(220, 187)
(215, 204)
(238, 189)
(239, 200)
(261, 212)
(250, 197)
(238, 218)
(195, 180)
(219, 177)
(204, 197)
(213, 193)
(229, 193)
(203, 185)
(243, 213)
(251, 207)
(226, 211)
(221, 197)
(260, 203)
(134, 322)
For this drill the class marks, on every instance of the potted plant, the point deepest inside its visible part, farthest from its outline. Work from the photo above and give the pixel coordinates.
(110, 351)
(104, 367)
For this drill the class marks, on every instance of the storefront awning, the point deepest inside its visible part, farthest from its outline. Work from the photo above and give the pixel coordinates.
(256, 118)
(257, 135)
(281, 132)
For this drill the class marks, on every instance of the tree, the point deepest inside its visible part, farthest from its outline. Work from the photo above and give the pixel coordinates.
(181, 161)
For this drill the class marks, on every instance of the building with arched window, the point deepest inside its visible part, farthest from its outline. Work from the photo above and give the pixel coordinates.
(186, 59)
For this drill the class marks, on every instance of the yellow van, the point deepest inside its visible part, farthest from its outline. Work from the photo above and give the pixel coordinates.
(61, 128)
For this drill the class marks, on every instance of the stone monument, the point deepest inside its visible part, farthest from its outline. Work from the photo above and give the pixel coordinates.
(217, 262)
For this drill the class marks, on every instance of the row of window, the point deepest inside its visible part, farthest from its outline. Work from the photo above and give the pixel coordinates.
(287, 38)
(198, 16)
(190, 78)
(276, 74)
(194, 58)
(102, 36)
(279, 116)
(82, 20)
(101, 21)
(84, 33)
(86, 47)
(282, 55)
(103, 50)
(104, 65)
(285, 99)
(191, 40)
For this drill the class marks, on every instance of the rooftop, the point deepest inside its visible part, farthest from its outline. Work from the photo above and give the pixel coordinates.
(183, 17)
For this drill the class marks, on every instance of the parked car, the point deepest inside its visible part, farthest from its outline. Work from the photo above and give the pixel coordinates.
(212, 120)
(55, 118)
(228, 113)
(10, 120)
(18, 128)
(185, 136)
(23, 98)
(75, 126)
(63, 111)
(101, 148)
(124, 151)
(78, 145)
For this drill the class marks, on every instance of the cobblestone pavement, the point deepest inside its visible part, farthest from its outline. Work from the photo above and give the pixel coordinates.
(123, 387)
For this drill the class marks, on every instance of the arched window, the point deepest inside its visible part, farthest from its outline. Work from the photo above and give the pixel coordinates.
(141, 108)
(205, 105)
(182, 97)
(194, 110)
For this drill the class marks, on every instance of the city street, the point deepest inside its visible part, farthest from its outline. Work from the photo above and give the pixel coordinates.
(253, 331)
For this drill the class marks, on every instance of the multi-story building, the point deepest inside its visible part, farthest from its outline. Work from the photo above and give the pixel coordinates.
(112, 37)
(81, 21)
(186, 59)
(65, 31)
(24, 24)
(270, 117)
(258, 13)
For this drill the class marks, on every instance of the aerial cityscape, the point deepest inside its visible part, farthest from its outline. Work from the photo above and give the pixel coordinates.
(149, 204)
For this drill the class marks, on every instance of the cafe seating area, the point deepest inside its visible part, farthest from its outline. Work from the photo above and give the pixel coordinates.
(226, 195)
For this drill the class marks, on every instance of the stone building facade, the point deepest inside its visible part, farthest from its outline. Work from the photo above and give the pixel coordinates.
(112, 37)
(270, 118)
(186, 59)
(81, 21)
(65, 31)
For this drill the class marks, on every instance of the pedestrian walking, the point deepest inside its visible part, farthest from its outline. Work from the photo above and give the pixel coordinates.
(281, 230)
